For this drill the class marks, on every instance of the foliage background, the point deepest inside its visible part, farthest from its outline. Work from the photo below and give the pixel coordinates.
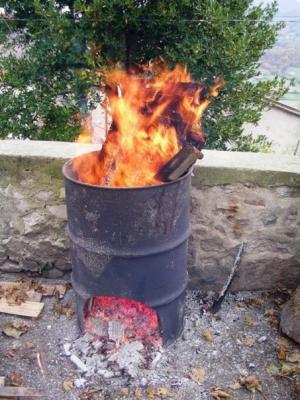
(49, 84)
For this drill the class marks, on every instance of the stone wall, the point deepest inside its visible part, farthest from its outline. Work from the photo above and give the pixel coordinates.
(236, 197)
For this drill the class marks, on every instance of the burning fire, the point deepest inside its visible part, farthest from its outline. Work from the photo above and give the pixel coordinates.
(152, 118)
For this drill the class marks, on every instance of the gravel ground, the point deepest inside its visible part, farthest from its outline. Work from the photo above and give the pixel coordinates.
(214, 351)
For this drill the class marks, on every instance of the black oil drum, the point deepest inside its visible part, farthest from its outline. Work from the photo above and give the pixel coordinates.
(130, 243)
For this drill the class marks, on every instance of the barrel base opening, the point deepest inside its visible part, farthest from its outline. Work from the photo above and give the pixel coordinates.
(121, 320)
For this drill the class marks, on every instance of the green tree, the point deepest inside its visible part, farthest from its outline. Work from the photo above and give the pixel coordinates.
(64, 43)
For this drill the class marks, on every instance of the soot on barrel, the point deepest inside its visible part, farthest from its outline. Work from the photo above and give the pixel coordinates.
(130, 243)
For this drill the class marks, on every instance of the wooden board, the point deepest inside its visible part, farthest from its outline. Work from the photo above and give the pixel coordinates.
(34, 296)
(26, 309)
(50, 290)
(10, 391)
(2, 383)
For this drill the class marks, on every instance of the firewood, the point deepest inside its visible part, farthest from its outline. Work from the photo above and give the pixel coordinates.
(20, 391)
(180, 163)
(26, 309)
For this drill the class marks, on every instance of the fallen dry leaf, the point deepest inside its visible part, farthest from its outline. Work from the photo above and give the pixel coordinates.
(11, 353)
(29, 345)
(250, 382)
(297, 387)
(124, 391)
(270, 312)
(150, 391)
(293, 357)
(282, 341)
(68, 385)
(62, 309)
(153, 393)
(274, 322)
(208, 335)
(235, 386)
(164, 392)
(248, 341)
(273, 369)
(88, 394)
(288, 369)
(197, 375)
(249, 321)
(255, 302)
(281, 352)
(218, 393)
(15, 328)
(15, 295)
(137, 393)
(16, 379)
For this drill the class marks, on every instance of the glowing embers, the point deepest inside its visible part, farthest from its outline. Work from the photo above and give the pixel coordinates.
(120, 320)
(122, 337)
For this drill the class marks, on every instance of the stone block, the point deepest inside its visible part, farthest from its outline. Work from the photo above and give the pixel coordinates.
(290, 317)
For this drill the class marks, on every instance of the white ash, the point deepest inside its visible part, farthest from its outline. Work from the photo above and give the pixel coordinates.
(129, 358)
(111, 358)
(79, 364)
(80, 383)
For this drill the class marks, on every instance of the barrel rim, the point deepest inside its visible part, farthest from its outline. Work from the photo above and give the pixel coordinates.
(67, 165)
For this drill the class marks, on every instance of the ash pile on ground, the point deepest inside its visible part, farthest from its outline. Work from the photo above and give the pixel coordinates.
(110, 356)
(215, 355)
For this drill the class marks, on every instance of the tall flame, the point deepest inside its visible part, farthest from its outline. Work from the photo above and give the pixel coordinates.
(152, 118)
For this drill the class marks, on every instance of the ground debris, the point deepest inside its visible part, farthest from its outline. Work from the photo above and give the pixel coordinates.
(15, 328)
(208, 335)
(235, 386)
(218, 393)
(68, 385)
(247, 341)
(90, 394)
(14, 295)
(197, 375)
(224, 359)
(249, 321)
(288, 354)
(156, 393)
(60, 309)
(250, 382)
(16, 379)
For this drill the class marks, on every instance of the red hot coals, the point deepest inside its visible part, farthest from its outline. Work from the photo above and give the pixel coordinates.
(120, 320)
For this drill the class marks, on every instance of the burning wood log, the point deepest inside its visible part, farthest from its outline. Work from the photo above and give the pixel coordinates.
(180, 163)
(153, 116)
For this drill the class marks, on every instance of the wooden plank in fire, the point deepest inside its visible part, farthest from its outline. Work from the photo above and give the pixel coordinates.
(180, 163)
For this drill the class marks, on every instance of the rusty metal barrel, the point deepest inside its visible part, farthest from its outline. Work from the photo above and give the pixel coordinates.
(130, 243)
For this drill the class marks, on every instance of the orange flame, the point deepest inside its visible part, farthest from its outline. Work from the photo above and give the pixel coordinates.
(152, 118)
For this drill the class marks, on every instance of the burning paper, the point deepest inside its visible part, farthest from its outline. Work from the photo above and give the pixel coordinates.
(153, 117)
